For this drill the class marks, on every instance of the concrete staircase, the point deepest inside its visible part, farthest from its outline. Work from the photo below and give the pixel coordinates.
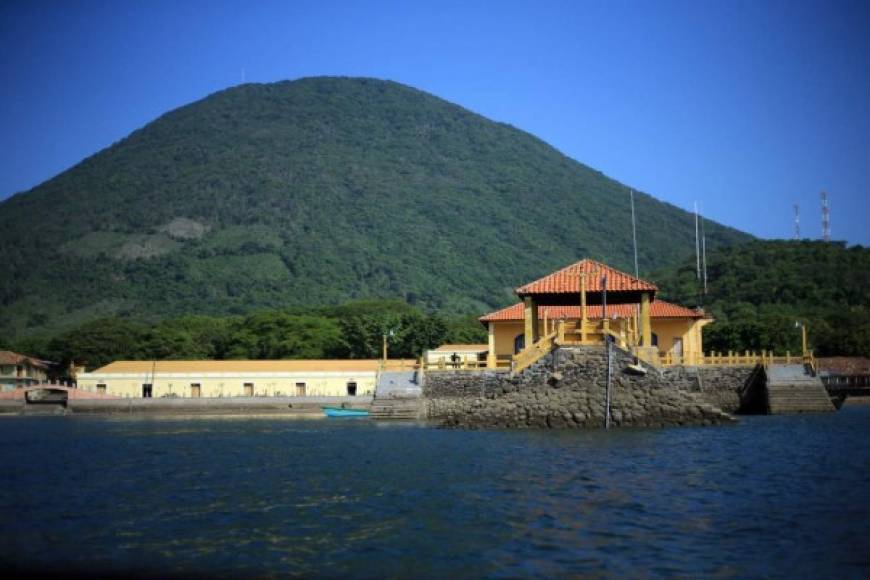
(791, 389)
(398, 384)
(397, 409)
(397, 397)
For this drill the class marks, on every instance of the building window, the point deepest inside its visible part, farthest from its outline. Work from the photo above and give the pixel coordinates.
(195, 390)
(146, 391)
(300, 389)
(351, 388)
(101, 389)
(249, 389)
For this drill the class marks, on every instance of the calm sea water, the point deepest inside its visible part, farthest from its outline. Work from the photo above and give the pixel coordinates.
(772, 496)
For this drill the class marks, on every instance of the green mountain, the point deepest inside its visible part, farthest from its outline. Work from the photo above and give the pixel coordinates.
(315, 192)
(758, 291)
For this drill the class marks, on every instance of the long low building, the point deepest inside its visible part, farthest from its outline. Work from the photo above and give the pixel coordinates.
(238, 378)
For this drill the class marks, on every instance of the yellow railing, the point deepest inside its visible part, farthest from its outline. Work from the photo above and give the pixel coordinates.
(409, 364)
(732, 358)
(529, 356)
(465, 363)
(591, 333)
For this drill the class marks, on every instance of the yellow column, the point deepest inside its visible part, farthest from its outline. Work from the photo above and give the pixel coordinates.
(490, 357)
(582, 307)
(530, 319)
(646, 340)
(803, 341)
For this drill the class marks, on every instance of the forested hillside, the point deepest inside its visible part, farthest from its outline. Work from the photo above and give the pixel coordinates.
(309, 193)
(758, 291)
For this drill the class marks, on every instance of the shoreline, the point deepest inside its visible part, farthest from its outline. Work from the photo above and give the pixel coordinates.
(242, 406)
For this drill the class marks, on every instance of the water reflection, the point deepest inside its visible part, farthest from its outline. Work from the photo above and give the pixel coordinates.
(266, 495)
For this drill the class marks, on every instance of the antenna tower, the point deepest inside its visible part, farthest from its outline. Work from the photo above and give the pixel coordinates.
(697, 246)
(704, 254)
(634, 234)
(826, 218)
(797, 222)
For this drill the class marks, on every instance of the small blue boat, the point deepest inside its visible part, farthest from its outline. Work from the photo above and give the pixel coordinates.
(340, 412)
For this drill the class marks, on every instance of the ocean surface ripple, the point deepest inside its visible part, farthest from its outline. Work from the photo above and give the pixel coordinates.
(261, 496)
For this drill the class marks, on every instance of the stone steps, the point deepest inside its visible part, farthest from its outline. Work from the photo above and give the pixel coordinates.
(796, 394)
(405, 409)
(710, 408)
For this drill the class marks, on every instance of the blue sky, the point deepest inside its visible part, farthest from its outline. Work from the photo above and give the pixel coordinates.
(746, 107)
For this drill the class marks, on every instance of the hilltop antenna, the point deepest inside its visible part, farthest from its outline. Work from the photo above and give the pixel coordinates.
(826, 218)
(634, 235)
(243, 75)
(697, 246)
(704, 253)
(797, 222)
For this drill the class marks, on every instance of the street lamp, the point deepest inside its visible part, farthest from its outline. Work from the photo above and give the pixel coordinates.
(390, 333)
(803, 328)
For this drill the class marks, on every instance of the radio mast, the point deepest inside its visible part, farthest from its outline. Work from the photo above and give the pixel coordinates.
(697, 246)
(826, 218)
(797, 222)
(634, 235)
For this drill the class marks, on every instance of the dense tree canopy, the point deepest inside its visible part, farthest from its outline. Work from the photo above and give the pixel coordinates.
(759, 291)
(353, 330)
(314, 192)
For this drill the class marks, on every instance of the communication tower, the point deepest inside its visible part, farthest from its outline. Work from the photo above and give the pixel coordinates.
(826, 218)
(797, 222)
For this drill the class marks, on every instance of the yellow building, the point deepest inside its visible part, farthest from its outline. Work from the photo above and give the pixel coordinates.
(571, 301)
(238, 378)
(18, 370)
(452, 355)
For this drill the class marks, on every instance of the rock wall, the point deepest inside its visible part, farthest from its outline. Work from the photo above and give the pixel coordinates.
(721, 386)
(566, 389)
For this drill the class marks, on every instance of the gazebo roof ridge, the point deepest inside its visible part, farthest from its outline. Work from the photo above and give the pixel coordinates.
(566, 280)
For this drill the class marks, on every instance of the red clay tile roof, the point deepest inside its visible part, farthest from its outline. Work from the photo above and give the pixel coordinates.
(7, 357)
(657, 309)
(567, 280)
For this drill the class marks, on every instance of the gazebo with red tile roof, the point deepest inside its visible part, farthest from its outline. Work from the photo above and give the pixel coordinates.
(565, 286)
(575, 297)
(585, 283)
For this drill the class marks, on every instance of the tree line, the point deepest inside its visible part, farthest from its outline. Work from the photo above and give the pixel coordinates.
(760, 294)
(354, 330)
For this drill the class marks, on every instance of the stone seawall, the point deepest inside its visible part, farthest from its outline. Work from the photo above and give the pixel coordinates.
(565, 389)
(720, 386)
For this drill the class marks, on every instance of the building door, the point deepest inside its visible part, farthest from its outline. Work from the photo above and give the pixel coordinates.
(300, 389)
(146, 391)
(101, 389)
(519, 343)
(678, 348)
(249, 389)
(351, 389)
(195, 390)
